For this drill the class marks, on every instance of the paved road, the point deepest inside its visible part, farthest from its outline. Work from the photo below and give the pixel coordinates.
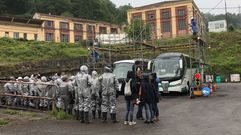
(219, 114)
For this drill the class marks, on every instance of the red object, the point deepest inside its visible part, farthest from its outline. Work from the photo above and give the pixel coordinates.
(197, 76)
(214, 88)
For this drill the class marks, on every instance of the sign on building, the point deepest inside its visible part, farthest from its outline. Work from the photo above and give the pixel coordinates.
(217, 26)
(112, 38)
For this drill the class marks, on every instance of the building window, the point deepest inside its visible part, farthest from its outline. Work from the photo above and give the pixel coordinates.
(49, 37)
(64, 26)
(166, 20)
(15, 35)
(78, 27)
(77, 38)
(136, 16)
(181, 12)
(49, 24)
(90, 29)
(6, 34)
(166, 26)
(35, 37)
(113, 30)
(64, 38)
(103, 30)
(181, 18)
(151, 20)
(182, 24)
(165, 15)
(25, 36)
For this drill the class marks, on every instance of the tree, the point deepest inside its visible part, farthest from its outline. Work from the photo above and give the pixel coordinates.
(16, 7)
(138, 31)
(122, 13)
(2, 7)
(230, 28)
(100, 10)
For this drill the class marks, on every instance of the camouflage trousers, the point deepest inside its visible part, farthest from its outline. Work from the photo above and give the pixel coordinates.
(109, 103)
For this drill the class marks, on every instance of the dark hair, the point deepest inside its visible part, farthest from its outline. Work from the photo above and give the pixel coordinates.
(130, 74)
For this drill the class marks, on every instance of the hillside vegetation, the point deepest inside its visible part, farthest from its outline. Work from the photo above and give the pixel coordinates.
(14, 51)
(225, 53)
(101, 10)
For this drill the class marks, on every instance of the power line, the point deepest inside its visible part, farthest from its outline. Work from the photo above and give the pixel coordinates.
(220, 8)
(215, 6)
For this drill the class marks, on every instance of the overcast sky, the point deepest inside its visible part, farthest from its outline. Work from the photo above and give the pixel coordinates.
(204, 5)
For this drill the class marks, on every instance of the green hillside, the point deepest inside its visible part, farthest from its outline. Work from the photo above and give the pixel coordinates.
(15, 51)
(225, 53)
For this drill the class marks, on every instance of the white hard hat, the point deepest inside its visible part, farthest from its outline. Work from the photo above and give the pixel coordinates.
(84, 68)
(44, 79)
(20, 78)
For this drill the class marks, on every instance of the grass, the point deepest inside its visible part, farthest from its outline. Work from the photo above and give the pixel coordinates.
(16, 51)
(61, 115)
(3, 122)
(11, 112)
(20, 113)
(225, 53)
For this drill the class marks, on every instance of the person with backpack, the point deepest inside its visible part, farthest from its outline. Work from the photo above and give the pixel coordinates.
(130, 93)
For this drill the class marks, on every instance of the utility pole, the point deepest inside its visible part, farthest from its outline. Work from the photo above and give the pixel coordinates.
(239, 10)
(226, 14)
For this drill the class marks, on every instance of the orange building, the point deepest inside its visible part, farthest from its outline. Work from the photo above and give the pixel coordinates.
(45, 27)
(169, 18)
(29, 29)
(69, 29)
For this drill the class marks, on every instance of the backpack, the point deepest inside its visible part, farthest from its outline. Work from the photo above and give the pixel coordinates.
(127, 89)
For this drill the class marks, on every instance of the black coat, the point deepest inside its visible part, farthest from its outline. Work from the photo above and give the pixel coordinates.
(147, 91)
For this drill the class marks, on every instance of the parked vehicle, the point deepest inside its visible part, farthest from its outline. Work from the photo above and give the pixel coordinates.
(175, 71)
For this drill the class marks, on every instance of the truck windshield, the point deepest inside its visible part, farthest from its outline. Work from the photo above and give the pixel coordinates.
(121, 69)
(167, 68)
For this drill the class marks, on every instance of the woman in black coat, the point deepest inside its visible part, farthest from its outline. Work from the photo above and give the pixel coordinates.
(130, 99)
(147, 97)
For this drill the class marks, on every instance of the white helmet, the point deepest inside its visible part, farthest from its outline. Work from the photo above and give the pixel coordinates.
(43, 79)
(26, 79)
(20, 78)
(94, 74)
(71, 77)
(84, 69)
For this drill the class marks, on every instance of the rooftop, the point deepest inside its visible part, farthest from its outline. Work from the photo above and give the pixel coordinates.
(160, 3)
(23, 21)
(75, 19)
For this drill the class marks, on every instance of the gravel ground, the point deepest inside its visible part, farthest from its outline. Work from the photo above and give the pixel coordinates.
(219, 114)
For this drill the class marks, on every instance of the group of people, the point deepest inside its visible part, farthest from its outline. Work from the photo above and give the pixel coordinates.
(35, 85)
(144, 94)
(84, 93)
(78, 95)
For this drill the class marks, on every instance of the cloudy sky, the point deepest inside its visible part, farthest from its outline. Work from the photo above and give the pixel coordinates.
(204, 5)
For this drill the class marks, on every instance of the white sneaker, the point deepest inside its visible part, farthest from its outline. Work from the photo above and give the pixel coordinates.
(125, 122)
(132, 123)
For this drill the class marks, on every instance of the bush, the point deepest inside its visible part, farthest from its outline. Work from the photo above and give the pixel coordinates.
(3, 122)
(61, 115)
